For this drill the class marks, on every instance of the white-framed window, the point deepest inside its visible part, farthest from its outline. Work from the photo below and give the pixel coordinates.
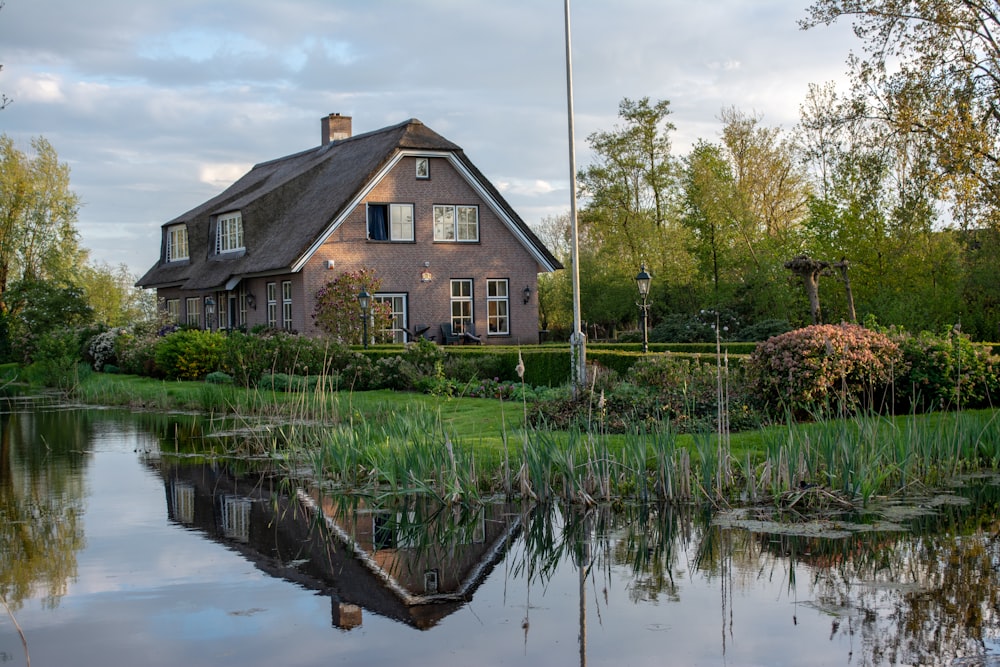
(390, 222)
(461, 305)
(286, 305)
(423, 165)
(173, 310)
(177, 243)
(272, 304)
(192, 306)
(456, 223)
(229, 233)
(236, 513)
(397, 307)
(498, 306)
(431, 581)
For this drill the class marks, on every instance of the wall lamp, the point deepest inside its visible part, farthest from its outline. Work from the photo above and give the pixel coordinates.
(252, 301)
(526, 293)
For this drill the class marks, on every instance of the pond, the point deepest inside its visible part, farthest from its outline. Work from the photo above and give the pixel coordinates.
(115, 550)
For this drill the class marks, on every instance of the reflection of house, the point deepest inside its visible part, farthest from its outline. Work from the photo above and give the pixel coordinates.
(402, 201)
(391, 563)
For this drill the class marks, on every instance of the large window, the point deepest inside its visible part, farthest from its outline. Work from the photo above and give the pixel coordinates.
(390, 222)
(286, 305)
(461, 305)
(229, 233)
(177, 243)
(272, 304)
(173, 308)
(396, 305)
(497, 307)
(456, 223)
(193, 306)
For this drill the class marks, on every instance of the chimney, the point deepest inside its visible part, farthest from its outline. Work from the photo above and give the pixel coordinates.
(335, 127)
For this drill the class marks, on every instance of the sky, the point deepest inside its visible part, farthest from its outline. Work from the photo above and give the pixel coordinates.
(158, 106)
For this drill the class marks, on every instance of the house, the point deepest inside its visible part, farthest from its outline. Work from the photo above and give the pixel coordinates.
(402, 201)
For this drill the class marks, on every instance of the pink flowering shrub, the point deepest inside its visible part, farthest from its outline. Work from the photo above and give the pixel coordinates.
(337, 311)
(842, 366)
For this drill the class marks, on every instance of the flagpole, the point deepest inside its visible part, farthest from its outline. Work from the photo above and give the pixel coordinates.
(578, 341)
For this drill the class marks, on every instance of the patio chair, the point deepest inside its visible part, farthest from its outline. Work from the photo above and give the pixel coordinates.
(469, 335)
(448, 335)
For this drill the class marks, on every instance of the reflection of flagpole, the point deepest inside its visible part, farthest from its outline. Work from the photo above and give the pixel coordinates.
(578, 342)
(585, 558)
(583, 615)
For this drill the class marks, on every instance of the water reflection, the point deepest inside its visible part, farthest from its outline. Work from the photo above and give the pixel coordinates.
(406, 559)
(42, 457)
(910, 583)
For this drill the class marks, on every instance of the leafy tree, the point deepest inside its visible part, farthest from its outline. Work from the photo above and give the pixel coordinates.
(39, 307)
(111, 292)
(37, 212)
(744, 202)
(931, 71)
(631, 217)
(876, 206)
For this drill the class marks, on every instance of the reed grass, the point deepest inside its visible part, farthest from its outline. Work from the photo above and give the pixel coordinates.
(461, 450)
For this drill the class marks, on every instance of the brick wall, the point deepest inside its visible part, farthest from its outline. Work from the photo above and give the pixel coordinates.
(497, 255)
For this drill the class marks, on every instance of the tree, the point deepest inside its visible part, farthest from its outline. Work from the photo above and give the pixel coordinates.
(632, 216)
(931, 70)
(38, 307)
(876, 203)
(744, 202)
(111, 292)
(38, 240)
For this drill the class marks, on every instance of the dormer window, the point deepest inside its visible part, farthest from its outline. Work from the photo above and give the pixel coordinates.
(229, 233)
(177, 243)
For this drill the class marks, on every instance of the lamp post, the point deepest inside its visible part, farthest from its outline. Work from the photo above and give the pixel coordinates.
(209, 312)
(365, 301)
(642, 281)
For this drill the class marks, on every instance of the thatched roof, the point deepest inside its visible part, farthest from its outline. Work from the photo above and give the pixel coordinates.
(288, 203)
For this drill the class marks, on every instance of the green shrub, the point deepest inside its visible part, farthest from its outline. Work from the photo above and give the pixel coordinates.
(56, 359)
(288, 383)
(189, 354)
(218, 377)
(763, 330)
(842, 366)
(111, 369)
(248, 356)
(944, 371)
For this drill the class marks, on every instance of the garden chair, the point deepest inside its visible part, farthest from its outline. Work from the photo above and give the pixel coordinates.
(448, 336)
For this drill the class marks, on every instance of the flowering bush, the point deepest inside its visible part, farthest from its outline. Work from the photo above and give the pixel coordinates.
(843, 366)
(102, 348)
(337, 311)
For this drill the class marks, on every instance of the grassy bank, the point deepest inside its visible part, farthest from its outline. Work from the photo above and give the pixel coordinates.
(463, 448)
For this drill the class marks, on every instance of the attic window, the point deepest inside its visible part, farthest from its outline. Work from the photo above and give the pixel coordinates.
(423, 168)
(456, 223)
(229, 233)
(177, 243)
(390, 222)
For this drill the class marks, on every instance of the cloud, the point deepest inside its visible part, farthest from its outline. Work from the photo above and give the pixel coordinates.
(167, 103)
(222, 175)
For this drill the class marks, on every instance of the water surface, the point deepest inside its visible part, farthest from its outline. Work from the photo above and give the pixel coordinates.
(115, 551)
